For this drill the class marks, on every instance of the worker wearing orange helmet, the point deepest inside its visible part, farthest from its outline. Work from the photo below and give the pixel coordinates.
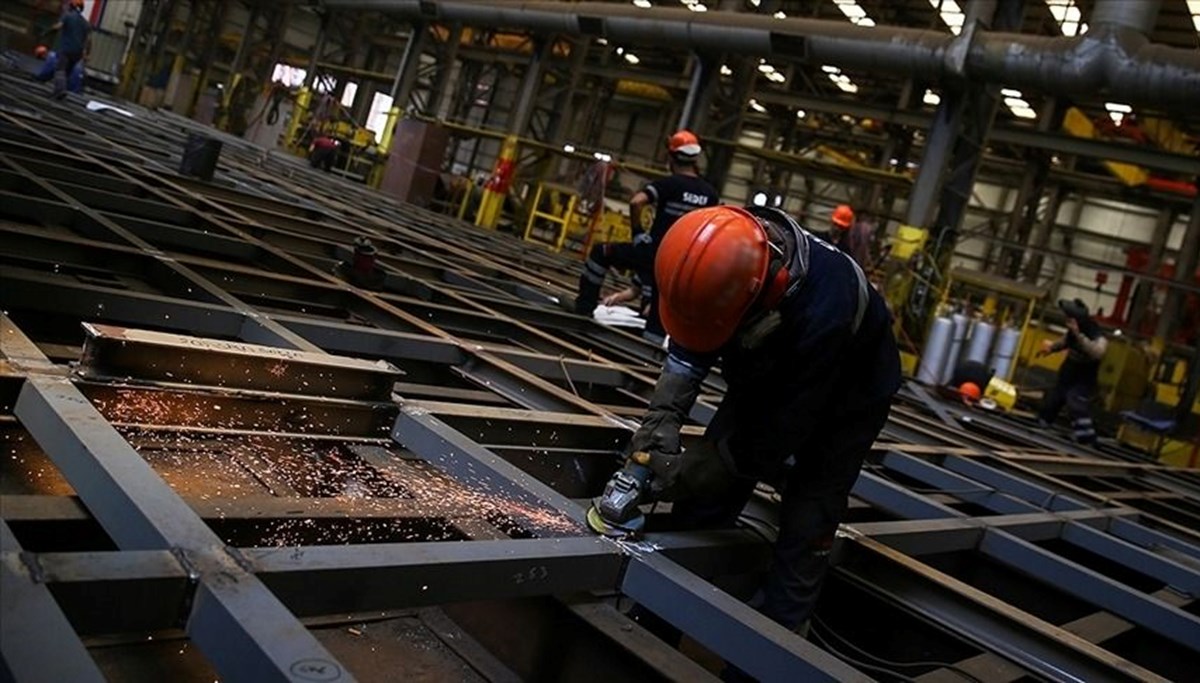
(673, 196)
(73, 44)
(806, 349)
(852, 235)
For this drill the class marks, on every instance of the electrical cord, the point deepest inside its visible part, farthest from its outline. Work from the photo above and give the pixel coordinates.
(859, 663)
(886, 662)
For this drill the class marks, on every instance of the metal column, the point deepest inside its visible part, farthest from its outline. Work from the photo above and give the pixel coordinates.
(1185, 269)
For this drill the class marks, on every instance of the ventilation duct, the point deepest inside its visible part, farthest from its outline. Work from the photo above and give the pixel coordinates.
(1114, 56)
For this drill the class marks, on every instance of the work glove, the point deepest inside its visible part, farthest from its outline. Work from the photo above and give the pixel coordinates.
(673, 397)
(699, 472)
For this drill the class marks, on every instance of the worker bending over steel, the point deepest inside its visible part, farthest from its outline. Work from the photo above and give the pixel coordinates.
(806, 349)
(673, 196)
(1076, 385)
(50, 67)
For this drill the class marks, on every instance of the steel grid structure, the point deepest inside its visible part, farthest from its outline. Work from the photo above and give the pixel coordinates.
(193, 451)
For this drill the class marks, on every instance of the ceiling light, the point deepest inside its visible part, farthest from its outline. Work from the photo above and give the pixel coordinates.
(757, 107)
(779, 15)
(1117, 111)
(568, 148)
(755, 3)
(698, 7)
(830, 69)
(631, 58)
(800, 113)
(931, 98)
(1016, 103)
(644, 4)
(766, 68)
(1194, 7)
(726, 71)
(1068, 16)
(951, 13)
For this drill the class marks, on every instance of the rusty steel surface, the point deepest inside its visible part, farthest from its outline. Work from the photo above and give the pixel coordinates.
(278, 475)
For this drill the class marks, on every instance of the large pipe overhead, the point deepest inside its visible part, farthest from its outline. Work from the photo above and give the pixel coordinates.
(1114, 57)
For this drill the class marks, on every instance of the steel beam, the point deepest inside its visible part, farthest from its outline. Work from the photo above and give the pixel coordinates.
(1166, 620)
(727, 626)
(37, 643)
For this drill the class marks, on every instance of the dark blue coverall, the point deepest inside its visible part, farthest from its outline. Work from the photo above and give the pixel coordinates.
(801, 413)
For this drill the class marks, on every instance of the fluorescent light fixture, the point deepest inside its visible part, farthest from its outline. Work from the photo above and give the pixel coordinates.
(726, 71)
(569, 148)
(1194, 7)
(757, 107)
(601, 156)
(854, 12)
(755, 3)
(1117, 111)
(631, 58)
(951, 13)
(779, 15)
(1016, 103)
(931, 98)
(644, 4)
(1068, 16)
(800, 113)
(841, 80)
(697, 7)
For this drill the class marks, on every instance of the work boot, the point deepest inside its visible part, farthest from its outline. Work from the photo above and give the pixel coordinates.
(588, 297)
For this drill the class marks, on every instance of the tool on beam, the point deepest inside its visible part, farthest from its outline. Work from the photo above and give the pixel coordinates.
(615, 513)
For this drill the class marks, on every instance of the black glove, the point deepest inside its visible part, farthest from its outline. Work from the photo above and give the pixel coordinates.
(673, 397)
(699, 472)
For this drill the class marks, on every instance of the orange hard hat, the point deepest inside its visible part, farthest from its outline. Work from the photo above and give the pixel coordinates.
(970, 391)
(843, 216)
(40, 51)
(711, 268)
(684, 143)
(77, 4)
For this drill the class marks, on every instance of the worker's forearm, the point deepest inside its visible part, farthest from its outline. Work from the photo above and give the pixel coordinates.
(1094, 348)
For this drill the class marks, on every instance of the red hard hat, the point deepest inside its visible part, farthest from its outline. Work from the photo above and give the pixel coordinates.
(843, 216)
(710, 270)
(40, 51)
(684, 142)
(970, 391)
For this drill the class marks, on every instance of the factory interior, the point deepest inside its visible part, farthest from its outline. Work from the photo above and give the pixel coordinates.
(295, 383)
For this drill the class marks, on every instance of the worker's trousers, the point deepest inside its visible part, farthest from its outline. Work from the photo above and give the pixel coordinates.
(67, 61)
(1076, 394)
(814, 498)
(638, 257)
(814, 493)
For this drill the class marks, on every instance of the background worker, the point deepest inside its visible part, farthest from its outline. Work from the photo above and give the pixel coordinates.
(72, 44)
(806, 349)
(1076, 384)
(673, 196)
(50, 67)
(853, 235)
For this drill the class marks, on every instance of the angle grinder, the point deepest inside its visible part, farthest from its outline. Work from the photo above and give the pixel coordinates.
(615, 513)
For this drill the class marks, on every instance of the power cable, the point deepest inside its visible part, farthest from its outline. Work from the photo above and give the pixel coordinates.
(876, 658)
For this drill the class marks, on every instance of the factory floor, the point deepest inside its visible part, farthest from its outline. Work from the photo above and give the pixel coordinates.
(220, 460)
